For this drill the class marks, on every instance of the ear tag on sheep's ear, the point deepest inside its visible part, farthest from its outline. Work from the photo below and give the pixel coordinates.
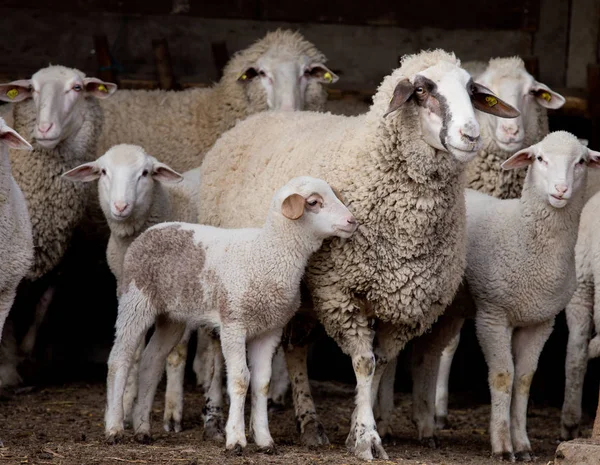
(546, 96)
(12, 93)
(102, 88)
(243, 77)
(491, 101)
(328, 77)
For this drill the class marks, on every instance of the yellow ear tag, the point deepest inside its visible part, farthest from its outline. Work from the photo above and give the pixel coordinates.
(12, 93)
(546, 96)
(102, 88)
(328, 77)
(491, 101)
(243, 77)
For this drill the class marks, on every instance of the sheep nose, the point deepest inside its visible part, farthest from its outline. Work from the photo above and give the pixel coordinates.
(561, 189)
(511, 130)
(121, 206)
(45, 127)
(469, 137)
(351, 220)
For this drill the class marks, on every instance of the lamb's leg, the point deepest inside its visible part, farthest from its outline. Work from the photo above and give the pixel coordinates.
(579, 321)
(131, 388)
(212, 412)
(175, 380)
(528, 343)
(28, 343)
(441, 390)
(427, 352)
(238, 377)
(202, 364)
(384, 404)
(166, 336)
(594, 346)
(307, 422)
(495, 338)
(280, 381)
(260, 355)
(7, 297)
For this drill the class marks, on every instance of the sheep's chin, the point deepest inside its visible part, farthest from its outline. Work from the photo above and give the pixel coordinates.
(557, 203)
(48, 144)
(120, 216)
(464, 156)
(511, 147)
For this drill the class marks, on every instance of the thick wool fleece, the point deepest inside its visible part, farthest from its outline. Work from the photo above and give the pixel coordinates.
(484, 173)
(405, 262)
(55, 205)
(178, 128)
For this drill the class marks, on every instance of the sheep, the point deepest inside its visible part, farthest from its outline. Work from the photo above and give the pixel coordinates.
(58, 110)
(583, 318)
(281, 71)
(244, 282)
(400, 166)
(518, 287)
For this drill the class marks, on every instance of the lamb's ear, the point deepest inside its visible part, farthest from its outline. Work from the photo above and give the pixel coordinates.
(404, 89)
(546, 97)
(164, 173)
(520, 159)
(14, 140)
(594, 161)
(15, 91)
(98, 88)
(485, 100)
(322, 73)
(84, 173)
(293, 206)
(338, 194)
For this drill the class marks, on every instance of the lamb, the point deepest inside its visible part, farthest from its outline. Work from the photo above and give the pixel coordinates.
(244, 282)
(583, 317)
(60, 113)
(281, 71)
(400, 167)
(136, 191)
(518, 287)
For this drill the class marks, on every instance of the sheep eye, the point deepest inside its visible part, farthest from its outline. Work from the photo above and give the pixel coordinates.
(539, 158)
(582, 161)
(77, 88)
(261, 73)
(312, 203)
(103, 172)
(145, 173)
(420, 90)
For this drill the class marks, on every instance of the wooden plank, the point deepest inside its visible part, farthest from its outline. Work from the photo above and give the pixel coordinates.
(105, 68)
(162, 62)
(593, 79)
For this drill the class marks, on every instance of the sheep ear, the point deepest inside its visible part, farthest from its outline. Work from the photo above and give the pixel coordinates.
(164, 173)
(546, 97)
(293, 206)
(322, 73)
(15, 91)
(338, 194)
(403, 91)
(520, 159)
(248, 75)
(98, 88)
(485, 100)
(84, 173)
(12, 139)
(594, 161)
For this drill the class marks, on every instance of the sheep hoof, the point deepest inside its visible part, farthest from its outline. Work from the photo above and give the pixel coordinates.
(524, 456)
(504, 456)
(114, 438)
(442, 422)
(172, 426)
(143, 438)
(313, 434)
(431, 443)
(368, 447)
(213, 430)
(568, 432)
(236, 450)
(269, 450)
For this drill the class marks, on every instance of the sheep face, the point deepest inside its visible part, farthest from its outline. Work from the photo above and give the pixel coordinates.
(558, 166)
(58, 93)
(313, 204)
(283, 79)
(127, 176)
(508, 78)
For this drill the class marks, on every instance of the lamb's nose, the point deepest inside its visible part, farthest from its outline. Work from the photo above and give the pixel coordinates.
(511, 130)
(45, 127)
(121, 206)
(561, 188)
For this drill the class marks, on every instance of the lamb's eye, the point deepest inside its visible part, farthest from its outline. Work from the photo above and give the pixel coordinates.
(261, 73)
(77, 88)
(539, 158)
(145, 173)
(103, 172)
(420, 90)
(312, 203)
(582, 161)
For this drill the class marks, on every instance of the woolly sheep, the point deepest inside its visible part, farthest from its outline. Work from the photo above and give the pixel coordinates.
(280, 71)
(245, 282)
(519, 286)
(60, 113)
(583, 317)
(400, 167)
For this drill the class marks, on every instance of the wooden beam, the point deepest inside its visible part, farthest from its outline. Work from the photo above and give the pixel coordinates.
(105, 67)
(164, 67)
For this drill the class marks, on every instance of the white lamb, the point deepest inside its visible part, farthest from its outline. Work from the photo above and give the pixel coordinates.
(521, 274)
(244, 282)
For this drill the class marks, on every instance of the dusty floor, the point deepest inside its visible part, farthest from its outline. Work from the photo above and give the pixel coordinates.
(63, 425)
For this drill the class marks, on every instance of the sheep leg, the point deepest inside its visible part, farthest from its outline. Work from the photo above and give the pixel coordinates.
(384, 404)
(280, 381)
(202, 365)
(579, 321)
(260, 355)
(310, 428)
(7, 297)
(28, 343)
(175, 380)
(441, 390)
(166, 335)
(212, 412)
(131, 388)
(495, 338)
(528, 343)
(427, 352)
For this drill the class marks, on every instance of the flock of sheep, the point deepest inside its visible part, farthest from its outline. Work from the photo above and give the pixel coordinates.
(282, 220)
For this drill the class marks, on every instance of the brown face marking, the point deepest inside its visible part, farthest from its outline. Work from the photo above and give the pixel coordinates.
(433, 101)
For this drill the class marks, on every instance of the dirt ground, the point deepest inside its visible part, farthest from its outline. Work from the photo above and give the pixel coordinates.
(63, 425)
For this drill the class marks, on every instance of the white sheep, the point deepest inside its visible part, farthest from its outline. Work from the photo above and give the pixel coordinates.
(583, 317)
(520, 273)
(245, 282)
(281, 71)
(400, 167)
(59, 112)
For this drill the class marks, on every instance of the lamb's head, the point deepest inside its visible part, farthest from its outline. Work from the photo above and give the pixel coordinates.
(508, 78)
(558, 166)
(282, 71)
(58, 93)
(11, 138)
(127, 180)
(316, 206)
(445, 97)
